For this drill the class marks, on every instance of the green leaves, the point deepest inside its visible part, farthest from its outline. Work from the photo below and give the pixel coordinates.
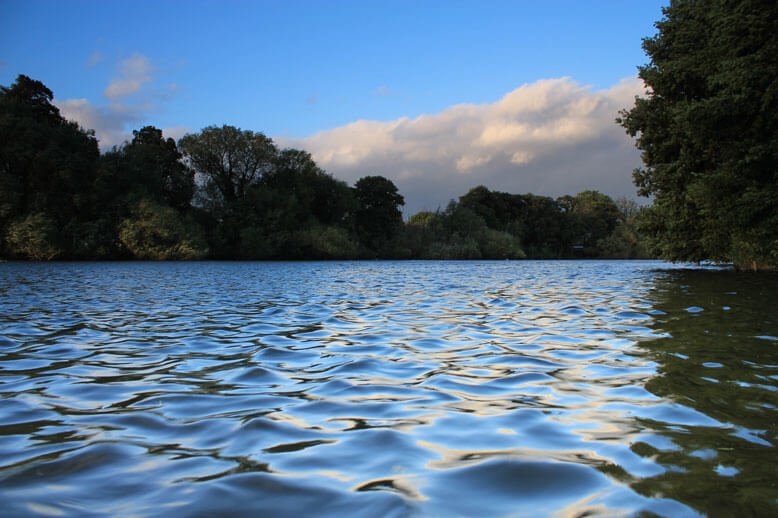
(157, 232)
(377, 216)
(232, 159)
(497, 225)
(707, 131)
(35, 237)
(47, 166)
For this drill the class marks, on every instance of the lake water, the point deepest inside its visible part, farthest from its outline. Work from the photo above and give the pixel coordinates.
(513, 388)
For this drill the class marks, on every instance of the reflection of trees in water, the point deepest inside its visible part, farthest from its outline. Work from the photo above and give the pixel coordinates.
(721, 359)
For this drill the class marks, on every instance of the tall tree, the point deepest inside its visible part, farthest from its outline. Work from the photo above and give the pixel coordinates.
(47, 167)
(594, 215)
(229, 158)
(155, 163)
(296, 211)
(314, 193)
(377, 217)
(708, 132)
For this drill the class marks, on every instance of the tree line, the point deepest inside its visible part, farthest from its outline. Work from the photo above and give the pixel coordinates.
(227, 193)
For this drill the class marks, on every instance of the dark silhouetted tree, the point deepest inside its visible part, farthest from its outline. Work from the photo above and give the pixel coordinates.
(47, 167)
(377, 216)
(594, 216)
(155, 163)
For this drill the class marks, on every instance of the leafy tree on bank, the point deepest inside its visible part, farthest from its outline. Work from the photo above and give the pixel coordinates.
(591, 217)
(34, 237)
(155, 164)
(315, 194)
(141, 177)
(259, 202)
(459, 232)
(47, 167)
(625, 242)
(377, 216)
(537, 221)
(229, 163)
(708, 132)
(230, 160)
(298, 211)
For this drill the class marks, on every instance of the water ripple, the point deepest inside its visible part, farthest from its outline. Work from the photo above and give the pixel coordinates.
(379, 388)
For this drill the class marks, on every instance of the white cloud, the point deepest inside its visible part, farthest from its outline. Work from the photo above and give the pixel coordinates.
(175, 132)
(551, 137)
(134, 72)
(383, 91)
(130, 100)
(109, 122)
(113, 123)
(94, 59)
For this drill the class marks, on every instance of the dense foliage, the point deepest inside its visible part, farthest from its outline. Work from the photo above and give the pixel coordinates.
(228, 193)
(708, 131)
(47, 168)
(497, 225)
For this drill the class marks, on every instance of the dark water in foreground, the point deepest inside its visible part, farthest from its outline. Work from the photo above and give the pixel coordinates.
(387, 389)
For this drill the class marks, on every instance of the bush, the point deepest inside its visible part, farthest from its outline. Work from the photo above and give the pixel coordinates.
(500, 245)
(157, 232)
(326, 242)
(34, 237)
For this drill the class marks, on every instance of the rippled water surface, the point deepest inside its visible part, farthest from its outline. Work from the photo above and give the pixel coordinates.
(387, 389)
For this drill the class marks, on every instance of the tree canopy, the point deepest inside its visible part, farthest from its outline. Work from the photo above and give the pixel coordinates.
(708, 132)
(486, 224)
(47, 166)
(230, 158)
(377, 216)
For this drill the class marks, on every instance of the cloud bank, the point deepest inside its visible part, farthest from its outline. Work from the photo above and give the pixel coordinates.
(551, 137)
(128, 101)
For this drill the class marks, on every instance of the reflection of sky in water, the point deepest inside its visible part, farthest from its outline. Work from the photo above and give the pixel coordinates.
(442, 388)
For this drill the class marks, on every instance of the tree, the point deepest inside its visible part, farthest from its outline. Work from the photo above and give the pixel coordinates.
(149, 168)
(500, 210)
(624, 242)
(316, 194)
(594, 216)
(229, 162)
(154, 163)
(423, 219)
(377, 218)
(708, 132)
(230, 159)
(47, 168)
(542, 226)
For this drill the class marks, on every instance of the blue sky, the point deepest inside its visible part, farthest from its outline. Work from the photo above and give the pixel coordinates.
(305, 72)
